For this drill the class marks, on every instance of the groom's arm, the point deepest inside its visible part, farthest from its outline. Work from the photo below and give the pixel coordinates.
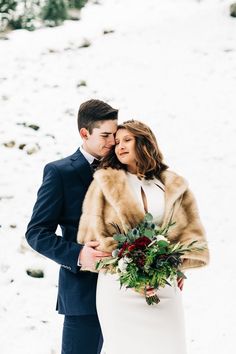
(47, 211)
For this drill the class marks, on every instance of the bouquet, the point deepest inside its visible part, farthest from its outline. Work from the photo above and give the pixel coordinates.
(145, 258)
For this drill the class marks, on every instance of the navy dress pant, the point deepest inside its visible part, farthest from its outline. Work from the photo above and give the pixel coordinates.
(81, 335)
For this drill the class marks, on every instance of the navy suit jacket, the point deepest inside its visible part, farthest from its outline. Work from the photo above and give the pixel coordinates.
(59, 202)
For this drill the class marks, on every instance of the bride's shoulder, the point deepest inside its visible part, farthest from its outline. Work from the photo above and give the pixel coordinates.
(171, 177)
(109, 175)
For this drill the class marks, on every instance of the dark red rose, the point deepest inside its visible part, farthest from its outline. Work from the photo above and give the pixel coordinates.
(131, 247)
(124, 248)
(142, 242)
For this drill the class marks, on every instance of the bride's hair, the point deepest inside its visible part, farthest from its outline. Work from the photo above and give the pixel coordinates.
(149, 157)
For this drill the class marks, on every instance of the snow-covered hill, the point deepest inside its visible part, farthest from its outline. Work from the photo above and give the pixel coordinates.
(169, 63)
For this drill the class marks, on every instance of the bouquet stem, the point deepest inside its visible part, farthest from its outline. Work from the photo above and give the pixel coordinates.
(151, 300)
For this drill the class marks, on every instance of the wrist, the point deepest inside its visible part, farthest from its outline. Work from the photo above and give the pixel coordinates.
(79, 263)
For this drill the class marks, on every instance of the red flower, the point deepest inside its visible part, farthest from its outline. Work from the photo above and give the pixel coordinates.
(124, 248)
(131, 247)
(142, 242)
(139, 244)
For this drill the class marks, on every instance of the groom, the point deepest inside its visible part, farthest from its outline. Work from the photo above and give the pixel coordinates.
(59, 202)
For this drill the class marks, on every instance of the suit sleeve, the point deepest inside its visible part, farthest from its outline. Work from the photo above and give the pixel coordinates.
(41, 230)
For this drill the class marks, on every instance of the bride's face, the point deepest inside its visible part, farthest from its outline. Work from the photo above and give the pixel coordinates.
(125, 149)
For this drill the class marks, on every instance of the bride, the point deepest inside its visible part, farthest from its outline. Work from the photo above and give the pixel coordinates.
(131, 181)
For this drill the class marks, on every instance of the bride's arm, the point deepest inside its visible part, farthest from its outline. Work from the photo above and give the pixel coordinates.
(191, 229)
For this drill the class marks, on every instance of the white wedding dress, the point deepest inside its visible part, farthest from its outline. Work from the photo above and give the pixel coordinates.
(129, 324)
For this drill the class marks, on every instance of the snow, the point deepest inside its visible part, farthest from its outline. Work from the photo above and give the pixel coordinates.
(170, 64)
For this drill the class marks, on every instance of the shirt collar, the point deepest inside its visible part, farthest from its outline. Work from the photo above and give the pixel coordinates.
(90, 158)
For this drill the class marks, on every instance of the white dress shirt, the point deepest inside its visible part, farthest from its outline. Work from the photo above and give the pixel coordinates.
(90, 158)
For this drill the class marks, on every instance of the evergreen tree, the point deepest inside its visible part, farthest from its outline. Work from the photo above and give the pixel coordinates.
(30, 14)
(77, 4)
(7, 8)
(54, 12)
(26, 15)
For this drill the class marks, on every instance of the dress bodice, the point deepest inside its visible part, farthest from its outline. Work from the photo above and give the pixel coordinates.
(154, 191)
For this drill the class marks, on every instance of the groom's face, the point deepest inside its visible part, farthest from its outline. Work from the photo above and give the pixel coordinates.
(101, 140)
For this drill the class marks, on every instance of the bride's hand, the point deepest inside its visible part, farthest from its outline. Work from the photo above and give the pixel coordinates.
(180, 282)
(149, 291)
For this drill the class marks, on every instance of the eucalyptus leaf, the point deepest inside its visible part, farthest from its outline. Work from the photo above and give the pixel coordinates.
(148, 217)
(148, 233)
(119, 237)
(130, 236)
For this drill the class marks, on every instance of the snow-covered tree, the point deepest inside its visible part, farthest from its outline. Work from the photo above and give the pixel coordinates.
(31, 14)
(77, 4)
(54, 12)
(26, 15)
(7, 8)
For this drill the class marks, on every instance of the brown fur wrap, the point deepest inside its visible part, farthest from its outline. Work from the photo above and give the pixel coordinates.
(110, 200)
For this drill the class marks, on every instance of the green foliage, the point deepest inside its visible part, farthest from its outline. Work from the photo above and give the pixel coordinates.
(54, 12)
(7, 6)
(30, 14)
(148, 217)
(145, 257)
(77, 4)
(26, 17)
(120, 238)
(21, 13)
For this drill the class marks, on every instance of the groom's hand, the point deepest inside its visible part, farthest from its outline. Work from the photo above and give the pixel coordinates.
(89, 256)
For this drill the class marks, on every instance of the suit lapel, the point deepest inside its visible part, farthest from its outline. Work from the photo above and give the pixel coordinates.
(82, 167)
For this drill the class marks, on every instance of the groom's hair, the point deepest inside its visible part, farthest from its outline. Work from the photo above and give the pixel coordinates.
(92, 112)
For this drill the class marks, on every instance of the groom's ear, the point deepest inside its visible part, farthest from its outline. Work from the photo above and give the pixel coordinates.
(84, 133)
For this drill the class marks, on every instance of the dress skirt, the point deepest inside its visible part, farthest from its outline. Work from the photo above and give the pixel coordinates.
(131, 326)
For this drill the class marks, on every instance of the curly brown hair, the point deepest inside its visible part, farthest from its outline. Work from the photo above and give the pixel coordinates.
(150, 159)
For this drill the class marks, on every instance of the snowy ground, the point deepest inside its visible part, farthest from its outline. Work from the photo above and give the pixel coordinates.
(169, 63)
